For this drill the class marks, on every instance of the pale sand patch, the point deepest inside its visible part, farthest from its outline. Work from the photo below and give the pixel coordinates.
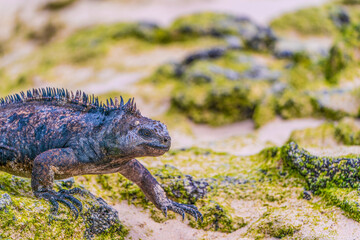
(279, 130)
(241, 138)
(331, 224)
(145, 228)
(335, 151)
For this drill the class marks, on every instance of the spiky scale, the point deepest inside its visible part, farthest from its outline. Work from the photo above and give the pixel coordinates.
(121, 101)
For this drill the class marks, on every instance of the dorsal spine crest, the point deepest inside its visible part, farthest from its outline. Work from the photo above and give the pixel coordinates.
(65, 96)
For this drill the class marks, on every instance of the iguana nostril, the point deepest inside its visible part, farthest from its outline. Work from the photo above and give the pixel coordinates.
(165, 140)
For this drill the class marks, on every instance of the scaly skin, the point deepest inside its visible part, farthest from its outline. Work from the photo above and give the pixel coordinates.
(51, 134)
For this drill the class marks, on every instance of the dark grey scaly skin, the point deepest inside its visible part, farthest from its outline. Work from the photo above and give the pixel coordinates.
(49, 134)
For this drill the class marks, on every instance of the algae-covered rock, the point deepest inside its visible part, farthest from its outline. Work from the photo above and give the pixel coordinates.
(183, 187)
(25, 217)
(222, 25)
(323, 172)
(321, 136)
(54, 5)
(335, 62)
(219, 89)
(347, 131)
(307, 21)
(336, 103)
(216, 218)
(294, 104)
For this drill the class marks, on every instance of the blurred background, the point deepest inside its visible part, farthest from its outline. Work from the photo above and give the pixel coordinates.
(204, 62)
(233, 76)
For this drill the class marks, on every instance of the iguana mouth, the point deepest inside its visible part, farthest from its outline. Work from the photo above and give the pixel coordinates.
(158, 146)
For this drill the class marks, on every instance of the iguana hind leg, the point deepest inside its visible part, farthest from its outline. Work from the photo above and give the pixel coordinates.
(46, 166)
(136, 172)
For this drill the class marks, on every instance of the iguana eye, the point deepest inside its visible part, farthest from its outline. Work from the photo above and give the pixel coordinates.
(145, 132)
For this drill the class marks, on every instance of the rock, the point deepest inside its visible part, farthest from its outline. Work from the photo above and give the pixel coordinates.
(307, 195)
(227, 73)
(217, 218)
(5, 200)
(100, 218)
(183, 186)
(19, 208)
(187, 187)
(199, 77)
(259, 72)
(234, 42)
(321, 172)
(340, 17)
(211, 53)
(337, 102)
(347, 131)
(221, 26)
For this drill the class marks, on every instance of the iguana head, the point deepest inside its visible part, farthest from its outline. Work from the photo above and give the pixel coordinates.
(132, 135)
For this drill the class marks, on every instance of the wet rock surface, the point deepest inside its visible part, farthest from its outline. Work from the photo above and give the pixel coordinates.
(322, 172)
(18, 207)
(100, 218)
(5, 200)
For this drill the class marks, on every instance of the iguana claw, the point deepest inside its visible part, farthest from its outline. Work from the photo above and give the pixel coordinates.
(182, 209)
(64, 197)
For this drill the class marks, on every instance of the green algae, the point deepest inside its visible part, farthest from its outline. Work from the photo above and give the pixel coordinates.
(313, 21)
(323, 135)
(348, 132)
(335, 63)
(58, 4)
(274, 225)
(211, 181)
(25, 217)
(217, 218)
(264, 112)
(323, 172)
(345, 198)
(293, 104)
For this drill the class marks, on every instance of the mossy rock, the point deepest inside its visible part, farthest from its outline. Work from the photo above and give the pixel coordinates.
(222, 25)
(294, 104)
(308, 21)
(321, 136)
(215, 105)
(347, 131)
(25, 217)
(54, 5)
(217, 218)
(323, 172)
(275, 224)
(335, 62)
(264, 112)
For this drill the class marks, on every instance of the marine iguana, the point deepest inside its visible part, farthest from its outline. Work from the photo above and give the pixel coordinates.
(51, 133)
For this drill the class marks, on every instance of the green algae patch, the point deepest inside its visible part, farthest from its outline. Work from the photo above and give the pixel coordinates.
(274, 224)
(323, 135)
(347, 131)
(323, 172)
(222, 25)
(293, 104)
(313, 21)
(58, 4)
(345, 198)
(264, 112)
(25, 217)
(217, 218)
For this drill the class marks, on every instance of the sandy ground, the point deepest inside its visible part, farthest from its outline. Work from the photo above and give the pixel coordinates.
(242, 138)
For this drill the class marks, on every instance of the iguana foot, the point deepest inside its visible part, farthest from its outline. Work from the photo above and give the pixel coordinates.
(182, 209)
(64, 197)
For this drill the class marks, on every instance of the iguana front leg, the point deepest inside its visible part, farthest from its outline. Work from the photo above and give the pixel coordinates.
(45, 167)
(137, 173)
